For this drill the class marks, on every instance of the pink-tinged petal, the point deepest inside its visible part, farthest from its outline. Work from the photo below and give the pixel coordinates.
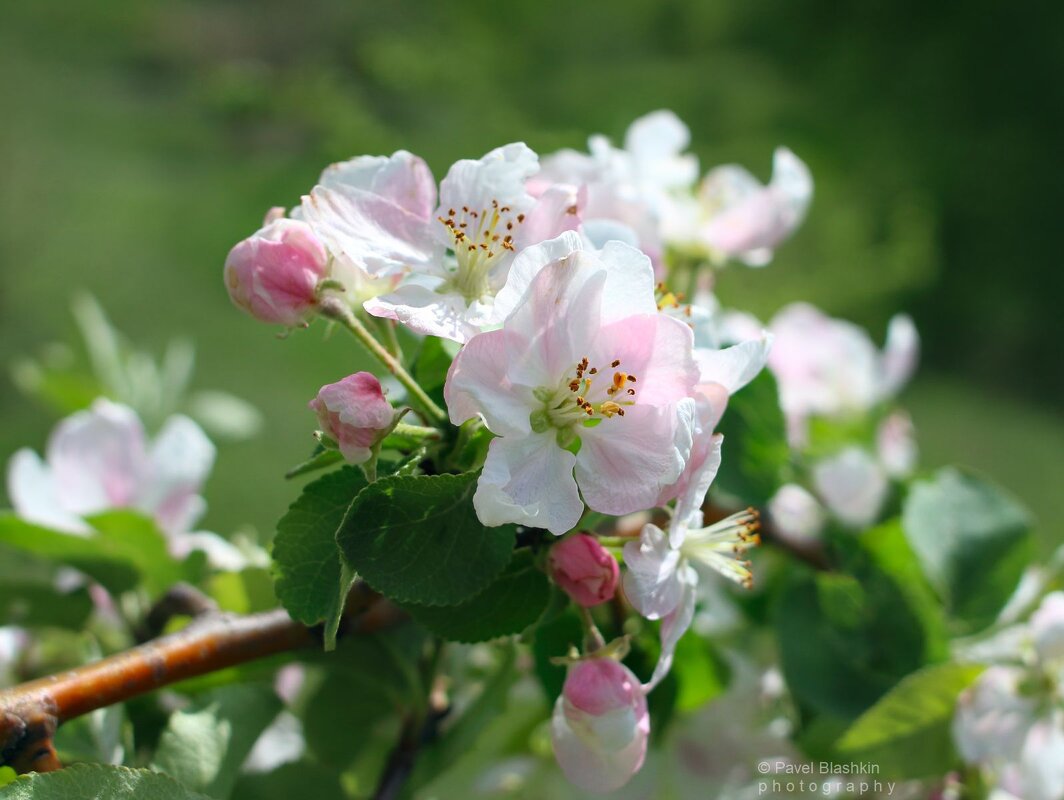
(529, 481)
(853, 486)
(98, 458)
(629, 282)
(896, 445)
(796, 515)
(181, 459)
(371, 231)
(900, 354)
(734, 367)
(600, 725)
(653, 582)
(791, 187)
(625, 462)
(32, 490)
(402, 178)
(273, 275)
(431, 313)
(1047, 627)
(675, 625)
(691, 489)
(556, 211)
(584, 569)
(528, 264)
(656, 349)
(478, 383)
(992, 717)
(499, 177)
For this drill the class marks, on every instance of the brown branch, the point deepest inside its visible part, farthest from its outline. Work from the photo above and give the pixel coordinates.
(31, 712)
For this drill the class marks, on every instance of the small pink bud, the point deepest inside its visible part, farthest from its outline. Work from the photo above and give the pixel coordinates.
(355, 413)
(584, 569)
(274, 273)
(600, 725)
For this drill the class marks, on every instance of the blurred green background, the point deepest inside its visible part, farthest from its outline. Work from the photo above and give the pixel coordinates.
(140, 140)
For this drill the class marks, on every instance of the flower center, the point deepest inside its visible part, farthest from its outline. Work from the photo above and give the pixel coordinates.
(723, 544)
(585, 396)
(480, 238)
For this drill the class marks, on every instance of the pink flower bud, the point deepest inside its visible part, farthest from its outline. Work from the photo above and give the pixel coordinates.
(274, 273)
(600, 725)
(355, 413)
(584, 569)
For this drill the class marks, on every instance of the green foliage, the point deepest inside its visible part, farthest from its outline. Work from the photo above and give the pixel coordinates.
(418, 540)
(205, 745)
(302, 779)
(515, 600)
(756, 455)
(126, 550)
(97, 782)
(845, 639)
(973, 542)
(554, 639)
(907, 733)
(306, 559)
(701, 672)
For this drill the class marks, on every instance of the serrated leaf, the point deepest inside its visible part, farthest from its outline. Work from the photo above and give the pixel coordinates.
(204, 746)
(418, 539)
(907, 732)
(97, 782)
(126, 549)
(514, 601)
(306, 559)
(973, 542)
(755, 436)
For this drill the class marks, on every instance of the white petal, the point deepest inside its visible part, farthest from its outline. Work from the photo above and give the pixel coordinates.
(1042, 759)
(792, 186)
(403, 178)
(478, 383)
(896, 445)
(529, 481)
(181, 459)
(221, 554)
(653, 583)
(528, 264)
(734, 367)
(1047, 627)
(98, 459)
(371, 231)
(629, 283)
(992, 718)
(433, 313)
(33, 494)
(852, 485)
(900, 354)
(796, 515)
(675, 625)
(498, 177)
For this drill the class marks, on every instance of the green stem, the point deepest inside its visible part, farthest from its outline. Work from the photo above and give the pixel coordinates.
(391, 341)
(593, 639)
(415, 431)
(336, 309)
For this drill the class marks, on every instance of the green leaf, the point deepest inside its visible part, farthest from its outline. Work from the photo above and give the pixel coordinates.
(973, 542)
(846, 639)
(433, 361)
(418, 539)
(30, 603)
(553, 639)
(97, 782)
(755, 440)
(514, 601)
(907, 733)
(702, 673)
(306, 560)
(321, 459)
(345, 701)
(303, 779)
(126, 549)
(204, 746)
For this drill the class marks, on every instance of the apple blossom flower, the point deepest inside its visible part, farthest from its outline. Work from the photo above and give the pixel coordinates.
(584, 375)
(584, 569)
(274, 274)
(743, 219)
(600, 725)
(355, 414)
(632, 192)
(896, 445)
(1010, 722)
(830, 367)
(852, 484)
(100, 459)
(381, 215)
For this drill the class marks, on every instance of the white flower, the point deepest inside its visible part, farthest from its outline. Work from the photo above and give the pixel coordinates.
(584, 375)
(451, 259)
(100, 459)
